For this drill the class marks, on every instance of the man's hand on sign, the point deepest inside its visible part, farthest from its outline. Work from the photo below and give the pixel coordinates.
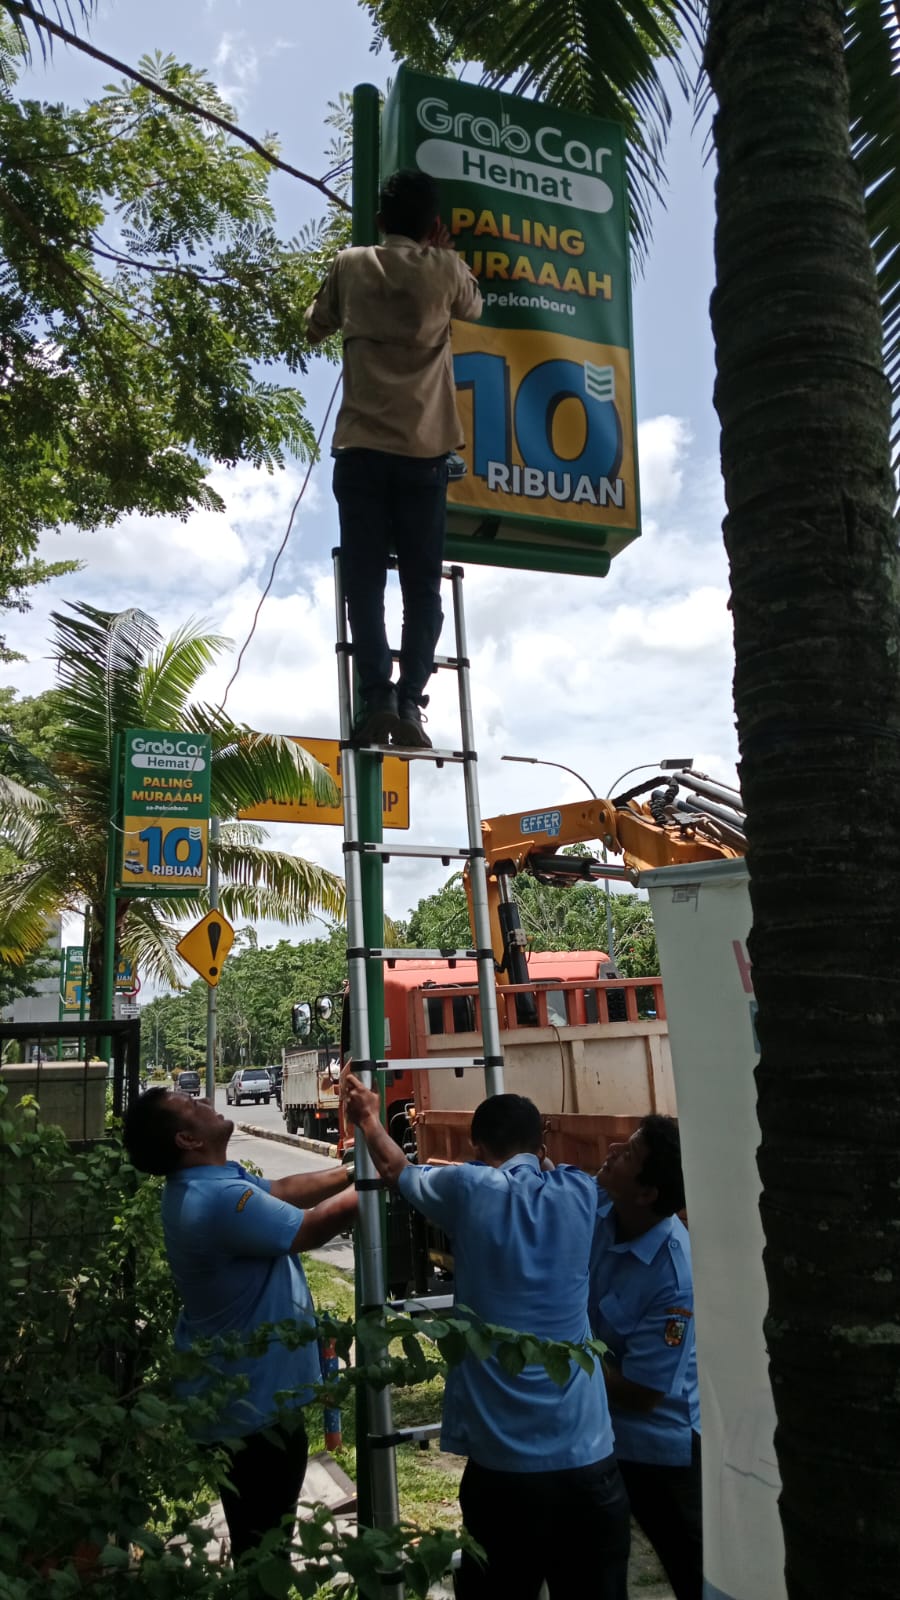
(359, 1102)
(440, 236)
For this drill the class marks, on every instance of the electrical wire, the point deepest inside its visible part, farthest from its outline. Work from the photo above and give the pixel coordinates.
(282, 547)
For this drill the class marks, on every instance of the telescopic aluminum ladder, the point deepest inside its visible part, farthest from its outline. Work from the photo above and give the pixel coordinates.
(370, 1262)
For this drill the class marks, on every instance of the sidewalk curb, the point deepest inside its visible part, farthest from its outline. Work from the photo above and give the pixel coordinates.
(318, 1147)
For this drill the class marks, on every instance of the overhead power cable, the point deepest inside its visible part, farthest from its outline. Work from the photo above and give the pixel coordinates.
(283, 545)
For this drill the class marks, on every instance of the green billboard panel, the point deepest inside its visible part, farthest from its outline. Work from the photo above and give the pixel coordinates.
(73, 979)
(165, 812)
(535, 200)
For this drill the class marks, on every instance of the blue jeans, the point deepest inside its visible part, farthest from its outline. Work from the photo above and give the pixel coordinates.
(392, 505)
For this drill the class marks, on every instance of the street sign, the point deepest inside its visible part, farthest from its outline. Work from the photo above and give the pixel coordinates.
(536, 202)
(394, 792)
(165, 806)
(205, 946)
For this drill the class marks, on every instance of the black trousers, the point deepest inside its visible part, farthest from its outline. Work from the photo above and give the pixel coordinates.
(667, 1503)
(571, 1529)
(392, 505)
(267, 1472)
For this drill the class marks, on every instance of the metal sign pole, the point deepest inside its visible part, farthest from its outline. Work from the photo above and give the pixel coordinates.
(212, 992)
(376, 1469)
(109, 918)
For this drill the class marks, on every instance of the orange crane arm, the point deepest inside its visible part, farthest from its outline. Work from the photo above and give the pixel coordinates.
(533, 841)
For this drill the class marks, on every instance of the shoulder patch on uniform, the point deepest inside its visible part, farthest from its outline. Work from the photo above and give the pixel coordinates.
(243, 1200)
(675, 1330)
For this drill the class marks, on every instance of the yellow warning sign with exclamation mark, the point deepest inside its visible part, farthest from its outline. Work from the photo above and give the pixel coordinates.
(206, 945)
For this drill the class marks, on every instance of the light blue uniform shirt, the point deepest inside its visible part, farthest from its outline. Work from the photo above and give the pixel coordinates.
(228, 1242)
(521, 1250)
(642, 1306)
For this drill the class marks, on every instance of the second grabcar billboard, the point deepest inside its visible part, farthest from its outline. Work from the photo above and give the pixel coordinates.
(535, 200)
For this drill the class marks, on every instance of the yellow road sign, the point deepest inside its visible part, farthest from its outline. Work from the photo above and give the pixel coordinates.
(205, 946)
(394, 791)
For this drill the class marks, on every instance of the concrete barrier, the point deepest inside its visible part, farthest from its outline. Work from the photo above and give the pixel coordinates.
(318, 1147)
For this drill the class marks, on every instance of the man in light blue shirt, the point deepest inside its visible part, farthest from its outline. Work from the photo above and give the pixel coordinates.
(642, 1307)
(540, 1493)
(233, 1243)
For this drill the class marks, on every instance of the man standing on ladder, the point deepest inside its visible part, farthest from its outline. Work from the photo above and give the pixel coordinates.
(541, 1492)
(397, 424)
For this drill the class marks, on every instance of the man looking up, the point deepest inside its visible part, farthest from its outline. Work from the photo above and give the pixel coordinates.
(398, 421)
(541, 1492)
(642, 1307)
(233, 1243)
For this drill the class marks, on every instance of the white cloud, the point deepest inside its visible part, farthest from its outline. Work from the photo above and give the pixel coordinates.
(662, 442)
(236, 64)
(236, 68)
(145, 557)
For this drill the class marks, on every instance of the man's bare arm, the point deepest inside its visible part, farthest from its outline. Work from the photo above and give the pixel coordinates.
(305, 1189)
(324, 1221)
(362, 1108)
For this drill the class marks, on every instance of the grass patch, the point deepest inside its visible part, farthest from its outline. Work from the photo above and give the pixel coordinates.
(428, 1480)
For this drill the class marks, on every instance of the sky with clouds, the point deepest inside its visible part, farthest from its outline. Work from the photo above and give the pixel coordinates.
(598, 674)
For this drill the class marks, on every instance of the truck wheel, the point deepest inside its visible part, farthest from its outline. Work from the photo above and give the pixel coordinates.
(265, 1099)
(309, 1125)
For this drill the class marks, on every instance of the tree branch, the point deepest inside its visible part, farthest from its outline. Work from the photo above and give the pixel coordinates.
(173, 269)
(26, 13)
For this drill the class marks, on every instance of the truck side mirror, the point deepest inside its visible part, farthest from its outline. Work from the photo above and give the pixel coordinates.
(301, 1020)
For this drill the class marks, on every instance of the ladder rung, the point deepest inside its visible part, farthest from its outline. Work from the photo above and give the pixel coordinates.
(431, 1064)
(425, 1430)
(402, 754)
(423, 1302)
(380, 953)
(435, 852)
(453, 662)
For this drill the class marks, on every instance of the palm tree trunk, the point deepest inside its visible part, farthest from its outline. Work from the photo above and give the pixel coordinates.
(804, 408)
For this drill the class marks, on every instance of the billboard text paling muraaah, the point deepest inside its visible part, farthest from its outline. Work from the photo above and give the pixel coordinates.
(535, 199)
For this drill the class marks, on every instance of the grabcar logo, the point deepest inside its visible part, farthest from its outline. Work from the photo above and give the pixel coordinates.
(435, 116)
(165, 747)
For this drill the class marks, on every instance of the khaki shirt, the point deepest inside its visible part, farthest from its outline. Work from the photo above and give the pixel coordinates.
(393, 303)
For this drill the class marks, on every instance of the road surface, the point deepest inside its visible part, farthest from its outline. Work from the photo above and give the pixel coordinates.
(263, 1116)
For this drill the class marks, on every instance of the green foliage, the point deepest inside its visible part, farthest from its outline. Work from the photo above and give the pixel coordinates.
(255, 995)
(144, 291)
(21, 979)
(34, 722)
(117, 672)
(440, 920)
(572, 918)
